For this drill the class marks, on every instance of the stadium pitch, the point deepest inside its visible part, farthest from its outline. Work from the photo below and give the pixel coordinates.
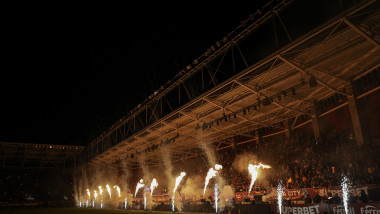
(77, 211)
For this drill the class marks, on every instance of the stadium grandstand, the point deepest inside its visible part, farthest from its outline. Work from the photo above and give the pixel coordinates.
(295, 97)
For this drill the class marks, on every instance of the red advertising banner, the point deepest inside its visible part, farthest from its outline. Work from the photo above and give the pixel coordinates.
(299, 194)
(372, 208)
(288, 194)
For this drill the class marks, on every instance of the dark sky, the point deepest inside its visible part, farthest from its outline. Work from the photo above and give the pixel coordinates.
(69, 72)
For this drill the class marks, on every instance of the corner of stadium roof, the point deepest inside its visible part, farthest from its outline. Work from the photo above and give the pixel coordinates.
(16, 156)
(230, 92)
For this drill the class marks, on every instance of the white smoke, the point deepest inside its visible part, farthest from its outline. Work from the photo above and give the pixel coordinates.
(226, 197)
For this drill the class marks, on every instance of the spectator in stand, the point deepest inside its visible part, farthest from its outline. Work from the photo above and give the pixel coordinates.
(336, 198)
(363, 197)
(307, 199)
(317, 199)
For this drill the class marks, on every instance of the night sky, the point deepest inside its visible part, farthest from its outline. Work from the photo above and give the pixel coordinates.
(70, 72)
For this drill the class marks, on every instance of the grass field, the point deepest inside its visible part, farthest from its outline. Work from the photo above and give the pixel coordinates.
(75, 211)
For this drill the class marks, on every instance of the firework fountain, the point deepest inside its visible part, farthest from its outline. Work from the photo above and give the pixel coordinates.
(280, 191)
(210, 174)
(93, 201)
(108, 189)
(153, 185)
(117, 189)
(253, 170)
(101, 196)
(216, 193)
(138, 186)
(89, 195)
(177, 181)
(345, 187)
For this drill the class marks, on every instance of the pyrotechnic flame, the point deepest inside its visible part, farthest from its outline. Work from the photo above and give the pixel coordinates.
(216, 193)
(108, 189)
(117, 189)
(210, 174)
(280, 191)
(218, 167)
(153, 185)
(177, 181)
(345, 187)
(253, 171)
(139, 185)
(100, 190)
(88, 193)
(95, 194)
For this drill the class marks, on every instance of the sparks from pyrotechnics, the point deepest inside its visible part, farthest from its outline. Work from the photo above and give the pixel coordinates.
(177, 181)
(210, 174)
(280, 191)
(117, 189)
(216, 193)
(252, 169)
(95, 195)
(144, 200)
(153, 185)
(101, 196)
(125, 203)
(345, 193)
(89, 196)
(138, 186)
(108, 189)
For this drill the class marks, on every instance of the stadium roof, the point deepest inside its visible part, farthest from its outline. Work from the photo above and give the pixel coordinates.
(284, 85)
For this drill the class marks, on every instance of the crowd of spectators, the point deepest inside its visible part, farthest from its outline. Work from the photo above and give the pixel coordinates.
(299, 162)
(303, 162)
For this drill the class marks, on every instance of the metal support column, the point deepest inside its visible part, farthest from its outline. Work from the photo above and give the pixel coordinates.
(315, 121)
(355, 118)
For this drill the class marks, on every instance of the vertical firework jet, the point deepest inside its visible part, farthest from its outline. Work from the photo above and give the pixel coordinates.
(345, 193)
(89, 196)
(108, 189)
(153, 185)
(100, 190)
(101, 196)
(210, 174)
(177, 181)
(216, 193)
(252, 169)
(279, 196)
(117, 189)
(93, 201)
(138, 186)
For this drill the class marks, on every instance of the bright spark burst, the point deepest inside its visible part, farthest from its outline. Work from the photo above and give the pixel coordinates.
(210, 174)
(108, 189)
(345, 187)
(95, 194)
(253, 171)
(177, 181)
(153, 185)
(216, 193)
(139, 185)
(100, 190)
(280, 191)
(117, 189)
(88, 193)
